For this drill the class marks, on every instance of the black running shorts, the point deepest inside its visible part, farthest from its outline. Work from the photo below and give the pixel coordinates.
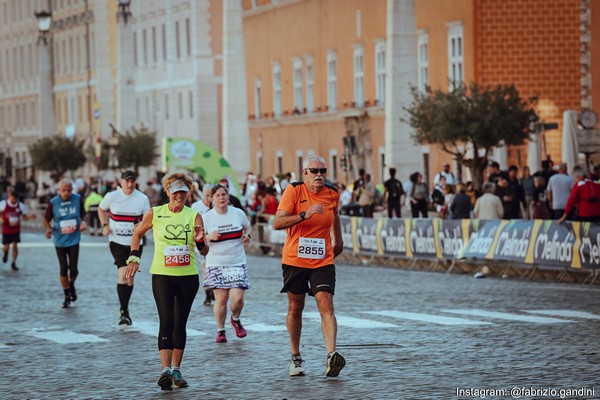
(121, 253)
(296, 280)
(11, 238)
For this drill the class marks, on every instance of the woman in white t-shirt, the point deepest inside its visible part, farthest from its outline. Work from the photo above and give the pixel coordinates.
(228, 230)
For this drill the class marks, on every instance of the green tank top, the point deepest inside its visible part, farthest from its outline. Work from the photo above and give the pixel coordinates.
(173, 242)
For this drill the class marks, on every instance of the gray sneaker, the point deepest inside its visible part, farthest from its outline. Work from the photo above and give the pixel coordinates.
(166, 381)
(296, 368)
(335, 363)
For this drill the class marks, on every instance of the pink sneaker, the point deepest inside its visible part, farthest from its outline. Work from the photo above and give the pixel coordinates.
(221, 338)
(239, 329)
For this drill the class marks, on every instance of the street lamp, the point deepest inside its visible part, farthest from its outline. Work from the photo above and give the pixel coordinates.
(113, 146)
(44, 23)
(124, 6)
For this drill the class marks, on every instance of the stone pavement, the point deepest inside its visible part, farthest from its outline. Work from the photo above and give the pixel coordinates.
(405, 335)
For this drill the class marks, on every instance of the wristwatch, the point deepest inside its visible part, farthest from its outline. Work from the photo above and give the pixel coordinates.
(302, 214)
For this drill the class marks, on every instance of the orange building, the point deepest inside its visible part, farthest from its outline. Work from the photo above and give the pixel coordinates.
(316, 71)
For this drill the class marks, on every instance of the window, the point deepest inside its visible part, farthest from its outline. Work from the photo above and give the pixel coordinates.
(180, 98)
(277, 89)
(177, 44)
(137, 109)
(135, 54)
(331, 81)
(167, 115)
(358, 77)
(380, 72)
(191, 101)
(279, 162)
(33, 115)
(455, 55)
(310, 85)
(154, 57)
(188, 37)
(145, 47)
(257, 107)
(298, 100)
(164, 42)
(78, 55)
(71, 55)
(423, 61)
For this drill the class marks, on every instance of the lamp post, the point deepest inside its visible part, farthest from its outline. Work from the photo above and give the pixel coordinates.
(113, 147)
(44, 23)
(124, 10)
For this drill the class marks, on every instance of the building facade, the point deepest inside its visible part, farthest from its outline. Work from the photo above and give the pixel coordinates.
(316, 72)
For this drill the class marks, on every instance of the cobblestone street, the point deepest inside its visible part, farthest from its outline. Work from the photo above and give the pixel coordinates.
(405, 335)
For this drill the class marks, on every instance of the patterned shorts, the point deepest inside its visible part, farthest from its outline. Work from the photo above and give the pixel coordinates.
(226, 277)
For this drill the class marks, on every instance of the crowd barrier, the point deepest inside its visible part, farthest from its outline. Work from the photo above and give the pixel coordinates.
(539, 242)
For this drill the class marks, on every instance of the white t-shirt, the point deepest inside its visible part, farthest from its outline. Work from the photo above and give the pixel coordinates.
(560, 185)
(124, 213)
(200, 207)
(449, 178)
(228, 250)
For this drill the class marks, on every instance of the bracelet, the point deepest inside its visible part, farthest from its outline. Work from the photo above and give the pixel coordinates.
(104, 225)
(135, 253)
(249, 237)
(133, 259)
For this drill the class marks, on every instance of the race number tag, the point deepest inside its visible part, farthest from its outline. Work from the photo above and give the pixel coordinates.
(68, 226)
(123, 228)
(311, 248)
(177, 256)
(13, 221)
(233, 274)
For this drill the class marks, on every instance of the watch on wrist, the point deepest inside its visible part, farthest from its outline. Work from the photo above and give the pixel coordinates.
(302, 215)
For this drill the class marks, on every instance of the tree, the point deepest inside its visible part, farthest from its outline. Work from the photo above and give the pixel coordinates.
(137, 149)
(57, 154)
(469, 122)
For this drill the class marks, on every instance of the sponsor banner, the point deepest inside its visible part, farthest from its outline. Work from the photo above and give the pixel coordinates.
(422, 241)
(481, 241)
(348, 235)
(366, 234)
(589, 249)
(553, 244)
(392, 237)
(451, 238)
(513, 240)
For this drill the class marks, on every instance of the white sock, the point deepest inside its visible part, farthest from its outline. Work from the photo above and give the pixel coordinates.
(166, 369)
(235, 319)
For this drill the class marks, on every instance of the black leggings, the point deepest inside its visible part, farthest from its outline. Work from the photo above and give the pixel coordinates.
(174, 296)
(67, 258)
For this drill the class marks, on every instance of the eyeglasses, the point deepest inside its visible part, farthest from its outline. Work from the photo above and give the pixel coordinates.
(315, 171)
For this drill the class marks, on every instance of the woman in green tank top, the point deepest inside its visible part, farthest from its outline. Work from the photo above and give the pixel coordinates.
(176, 230)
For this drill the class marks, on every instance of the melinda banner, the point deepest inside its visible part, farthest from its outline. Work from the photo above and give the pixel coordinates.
(541, 242)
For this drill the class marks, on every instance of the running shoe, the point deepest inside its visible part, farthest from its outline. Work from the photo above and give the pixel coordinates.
(221, 337)
(125, 319)
(166, 381)
(67, 302)
(335, 363)
(14, 267)
(239, 329)
(72, 291)
(296, 368)
(178, 380)
(5, 257)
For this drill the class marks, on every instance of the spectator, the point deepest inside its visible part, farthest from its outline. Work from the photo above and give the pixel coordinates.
(460, 208)
(437, 194)
(539, 202)
(392, 195)
(506, 195)
(472, 193)
(518, 198)
(488, 206)
(90, 205)
(365, 195)
(445, 172)
(546, 172)
(417, 196)
(559, 188)
(150, 191)
(527, 183)
(449, 195)
(345, 197)
(495, 172)
(585, 197)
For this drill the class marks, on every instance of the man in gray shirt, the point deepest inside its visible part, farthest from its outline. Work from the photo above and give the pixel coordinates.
(558, 190)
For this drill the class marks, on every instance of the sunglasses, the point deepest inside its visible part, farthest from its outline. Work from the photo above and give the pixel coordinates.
(315, 171)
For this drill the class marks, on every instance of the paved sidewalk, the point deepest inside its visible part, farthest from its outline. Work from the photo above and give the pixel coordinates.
(405, 335)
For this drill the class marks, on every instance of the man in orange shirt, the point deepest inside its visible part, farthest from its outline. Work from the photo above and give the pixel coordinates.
(308, 210)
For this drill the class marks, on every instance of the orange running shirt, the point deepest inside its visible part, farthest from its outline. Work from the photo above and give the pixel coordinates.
(308, 243)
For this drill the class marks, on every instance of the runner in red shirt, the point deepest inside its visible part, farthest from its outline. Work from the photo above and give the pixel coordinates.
(309, 210)
(11, 212)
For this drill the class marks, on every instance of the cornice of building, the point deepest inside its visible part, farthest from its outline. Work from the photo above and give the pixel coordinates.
(269, 7)
(316, 117)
